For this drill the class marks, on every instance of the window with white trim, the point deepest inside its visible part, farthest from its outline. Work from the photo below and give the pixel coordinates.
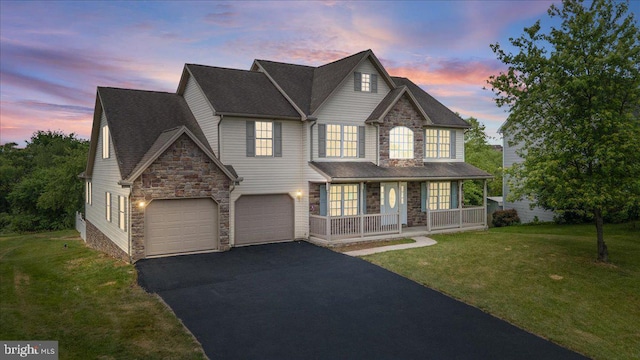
(342, 141)
(437, 143)
(365, 84)
(122, 212)
(88, 192)
(105, 142)
(439, 195)
(401, 143)
(264, 138)
(107, 202)
(343, 200)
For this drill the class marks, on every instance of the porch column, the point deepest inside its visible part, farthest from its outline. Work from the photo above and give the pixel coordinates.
(484, 204)
(328, 187)
(460, 200)
(426, 206)
(399, 196)
(362, 209)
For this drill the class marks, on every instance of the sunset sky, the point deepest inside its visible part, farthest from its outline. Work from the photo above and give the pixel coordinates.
(55, 53)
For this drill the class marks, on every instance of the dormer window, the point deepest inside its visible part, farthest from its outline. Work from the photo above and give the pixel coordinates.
(365, 82)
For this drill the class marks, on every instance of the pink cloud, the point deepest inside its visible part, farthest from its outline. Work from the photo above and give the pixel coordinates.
(447, 71)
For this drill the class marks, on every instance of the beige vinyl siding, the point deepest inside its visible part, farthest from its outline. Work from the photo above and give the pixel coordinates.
(267, 175)
(349, 107)
(459, 145)
(203, 112)
(105, 177)
(526, 214)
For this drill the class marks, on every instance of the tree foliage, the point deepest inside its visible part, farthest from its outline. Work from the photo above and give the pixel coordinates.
(573, 95)
(39, 185)
(479, 153)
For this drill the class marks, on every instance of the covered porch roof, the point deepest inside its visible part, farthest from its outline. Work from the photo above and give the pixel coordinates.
(368, 171)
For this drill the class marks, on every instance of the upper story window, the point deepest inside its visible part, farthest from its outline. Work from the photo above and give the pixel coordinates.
(342, 140)
(105, 142)
(438, 143)
(401, 143)
(264, 139)
(365, 82)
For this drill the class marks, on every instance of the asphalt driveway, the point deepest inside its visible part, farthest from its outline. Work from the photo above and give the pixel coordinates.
(299, 301)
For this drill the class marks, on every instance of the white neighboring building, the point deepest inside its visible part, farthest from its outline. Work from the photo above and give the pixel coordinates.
(526, 214)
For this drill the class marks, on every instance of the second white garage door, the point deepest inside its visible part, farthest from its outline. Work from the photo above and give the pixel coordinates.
(178, 226)
(264, 219)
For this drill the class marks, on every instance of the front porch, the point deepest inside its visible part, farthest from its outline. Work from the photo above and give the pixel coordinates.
(326, 230)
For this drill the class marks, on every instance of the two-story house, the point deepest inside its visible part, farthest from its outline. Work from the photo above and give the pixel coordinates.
(331, 154)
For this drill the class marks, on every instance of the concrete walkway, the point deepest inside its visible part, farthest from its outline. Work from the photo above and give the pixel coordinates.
(421, 241)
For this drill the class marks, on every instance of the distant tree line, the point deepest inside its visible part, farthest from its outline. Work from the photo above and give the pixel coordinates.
(39, 185)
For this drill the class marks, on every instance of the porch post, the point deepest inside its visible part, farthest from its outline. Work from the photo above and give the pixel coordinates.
(362, 210)
(399, 202)
(328, 187)
(460, 200)
(426, 205)
(484, 204)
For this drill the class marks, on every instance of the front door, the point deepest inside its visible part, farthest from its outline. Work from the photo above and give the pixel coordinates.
(393, 201)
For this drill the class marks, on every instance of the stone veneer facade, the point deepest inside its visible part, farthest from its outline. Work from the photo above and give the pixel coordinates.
(96, 239)
(403, 114)
(182, 171)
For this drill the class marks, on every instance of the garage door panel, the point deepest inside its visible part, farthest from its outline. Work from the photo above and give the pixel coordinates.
(184, 225)
(263, 219)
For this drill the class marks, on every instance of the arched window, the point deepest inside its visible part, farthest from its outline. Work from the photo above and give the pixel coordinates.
(401, 143)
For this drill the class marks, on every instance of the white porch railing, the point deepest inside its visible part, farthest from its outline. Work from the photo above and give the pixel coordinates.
(81, 226)
(457, 218)
(354, 226)
(474, 216)
(378, 224)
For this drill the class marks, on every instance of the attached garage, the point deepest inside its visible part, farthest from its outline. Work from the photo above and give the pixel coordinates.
(263, 219)
(181, 225)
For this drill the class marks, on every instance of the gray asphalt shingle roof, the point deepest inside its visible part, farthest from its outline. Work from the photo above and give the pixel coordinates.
(136, 118)
(439, 114)
(241, 92)
(295, 80)
(356, 171)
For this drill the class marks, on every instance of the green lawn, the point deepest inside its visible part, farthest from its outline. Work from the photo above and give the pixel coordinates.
(85, 300)
(541, 278)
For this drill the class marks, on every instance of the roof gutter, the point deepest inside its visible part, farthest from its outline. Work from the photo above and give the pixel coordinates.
(261, 116)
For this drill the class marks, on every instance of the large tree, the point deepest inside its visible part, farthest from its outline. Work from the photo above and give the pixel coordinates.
(479, 153)
(573, 94)
(39, 184)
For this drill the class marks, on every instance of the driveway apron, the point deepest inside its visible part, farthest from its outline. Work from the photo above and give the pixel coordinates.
(298, 301)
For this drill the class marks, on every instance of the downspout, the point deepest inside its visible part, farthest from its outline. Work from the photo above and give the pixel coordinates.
(129, 238)
(313, 123)
(377, 144)
(220, 123)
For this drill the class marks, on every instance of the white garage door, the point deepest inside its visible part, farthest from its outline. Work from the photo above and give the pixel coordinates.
(263, 219)
(184, 225)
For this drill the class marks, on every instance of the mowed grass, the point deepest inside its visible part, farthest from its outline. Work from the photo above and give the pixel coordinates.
(88, 302)
(541, 278)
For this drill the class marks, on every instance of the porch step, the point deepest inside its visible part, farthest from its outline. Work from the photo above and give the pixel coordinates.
(421, 241)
